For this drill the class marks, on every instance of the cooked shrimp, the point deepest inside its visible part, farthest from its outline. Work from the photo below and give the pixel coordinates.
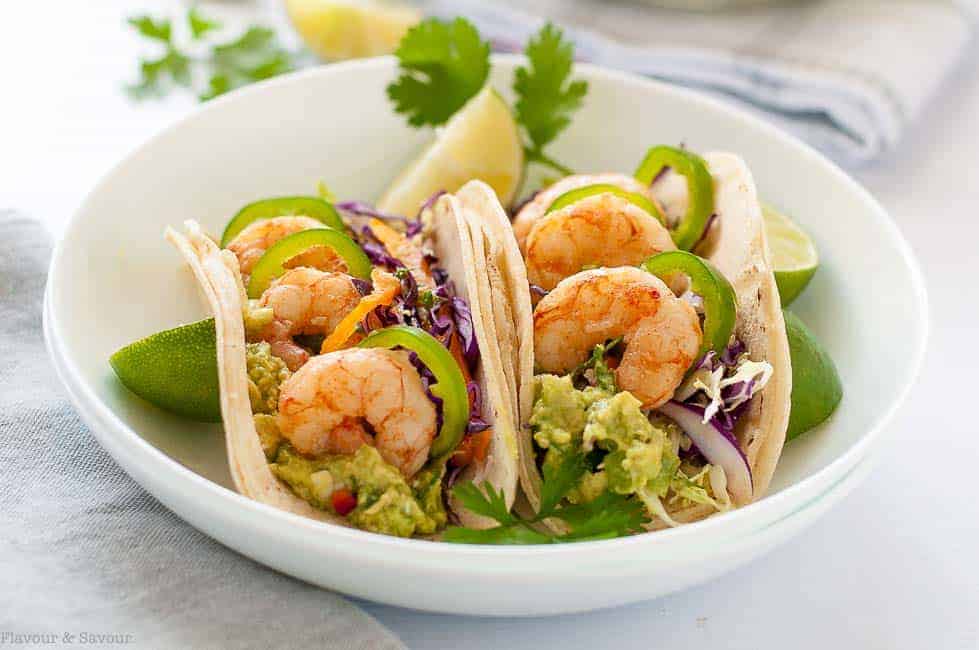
(252, 242)
(305, 301)
(310, 301)
(661, 333)
(324, 406)
(537, 207)
(600, 230)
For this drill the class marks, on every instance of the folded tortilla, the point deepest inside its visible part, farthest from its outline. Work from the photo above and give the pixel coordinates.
(450, 237)
(737, 247)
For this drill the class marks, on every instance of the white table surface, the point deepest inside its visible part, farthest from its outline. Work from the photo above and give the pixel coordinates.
(894, 566)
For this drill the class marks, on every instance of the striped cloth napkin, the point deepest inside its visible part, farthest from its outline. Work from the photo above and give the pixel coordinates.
(87, 557)
(849, 77)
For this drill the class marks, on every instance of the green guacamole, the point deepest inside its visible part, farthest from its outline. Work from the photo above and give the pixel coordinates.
(386, 503)
(268, 433)
(629, 450)
(266, 372)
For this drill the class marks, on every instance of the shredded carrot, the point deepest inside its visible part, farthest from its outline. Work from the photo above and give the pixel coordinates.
(346, 328)
(400, 247)
(481, 442)
(473, 447)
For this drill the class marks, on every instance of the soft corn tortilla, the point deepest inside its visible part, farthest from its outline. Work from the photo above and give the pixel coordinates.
(218, 274)
(737, 246)
(510, 300)
(452, 242)
(739, 249)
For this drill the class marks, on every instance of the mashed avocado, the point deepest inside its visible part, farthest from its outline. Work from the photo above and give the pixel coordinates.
(629, 451)
(427, 486)
(266, 372)
(268, 433)
(617, 425)
(565, 418)
(385, 502)
(560, 410)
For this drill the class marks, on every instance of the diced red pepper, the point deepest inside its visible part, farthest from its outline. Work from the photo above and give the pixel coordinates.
(343, 501)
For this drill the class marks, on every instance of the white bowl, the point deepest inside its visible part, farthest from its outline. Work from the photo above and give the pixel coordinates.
(113, 280)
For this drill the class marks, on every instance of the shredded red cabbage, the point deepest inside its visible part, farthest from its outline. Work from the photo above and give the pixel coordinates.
(429, 202)
(464, 326)
(409, 288)
(725, 419)
(362, 286)
(476, 422)
(427, 380)
(442, 315)
(732, 353)
(362, 209)
(717, 444)
(375, 250)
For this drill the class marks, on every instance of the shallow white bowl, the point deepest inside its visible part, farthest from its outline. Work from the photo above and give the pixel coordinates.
(113, 280)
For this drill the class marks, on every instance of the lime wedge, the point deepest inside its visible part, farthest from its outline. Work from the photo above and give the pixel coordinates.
(480, 141)
(175, 370)
(816, 386)
(337, 30)
(793, 254)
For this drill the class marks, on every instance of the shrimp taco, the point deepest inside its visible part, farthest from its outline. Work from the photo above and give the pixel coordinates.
(655, 359)
(359, 374)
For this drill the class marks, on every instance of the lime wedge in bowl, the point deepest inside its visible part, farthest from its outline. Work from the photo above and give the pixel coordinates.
(176, 370)
(481, 141)
(816, 386)
(794, 256)
(338, 29)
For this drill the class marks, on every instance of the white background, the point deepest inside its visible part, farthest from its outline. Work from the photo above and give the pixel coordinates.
(895, 566)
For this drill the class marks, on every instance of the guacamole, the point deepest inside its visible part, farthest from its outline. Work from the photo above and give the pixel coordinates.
(635, 447)
(385, 502)
(266, 372)
(560, 410)
(629, 450)
(268, 433)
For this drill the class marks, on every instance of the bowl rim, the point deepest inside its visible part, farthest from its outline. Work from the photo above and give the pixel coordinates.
(131, 450)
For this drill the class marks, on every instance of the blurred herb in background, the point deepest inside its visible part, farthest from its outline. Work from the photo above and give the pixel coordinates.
(191, 60)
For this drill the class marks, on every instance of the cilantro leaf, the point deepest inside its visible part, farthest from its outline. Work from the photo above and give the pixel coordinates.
(608, 514)
(512, 534)
(217, 84)
(485, 501)
(157, 75)
(546, 97)
(253, 56)
(158, 30)
(443, 64)
(210, 69)
(558, 482)
(199, 25)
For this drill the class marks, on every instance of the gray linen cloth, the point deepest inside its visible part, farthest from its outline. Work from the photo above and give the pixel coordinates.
(85, 550)
(848, 76)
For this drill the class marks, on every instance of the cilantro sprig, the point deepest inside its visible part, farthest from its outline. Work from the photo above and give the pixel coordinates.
(607, 516)
(547, 97)
(444, 64)
(191, 60)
